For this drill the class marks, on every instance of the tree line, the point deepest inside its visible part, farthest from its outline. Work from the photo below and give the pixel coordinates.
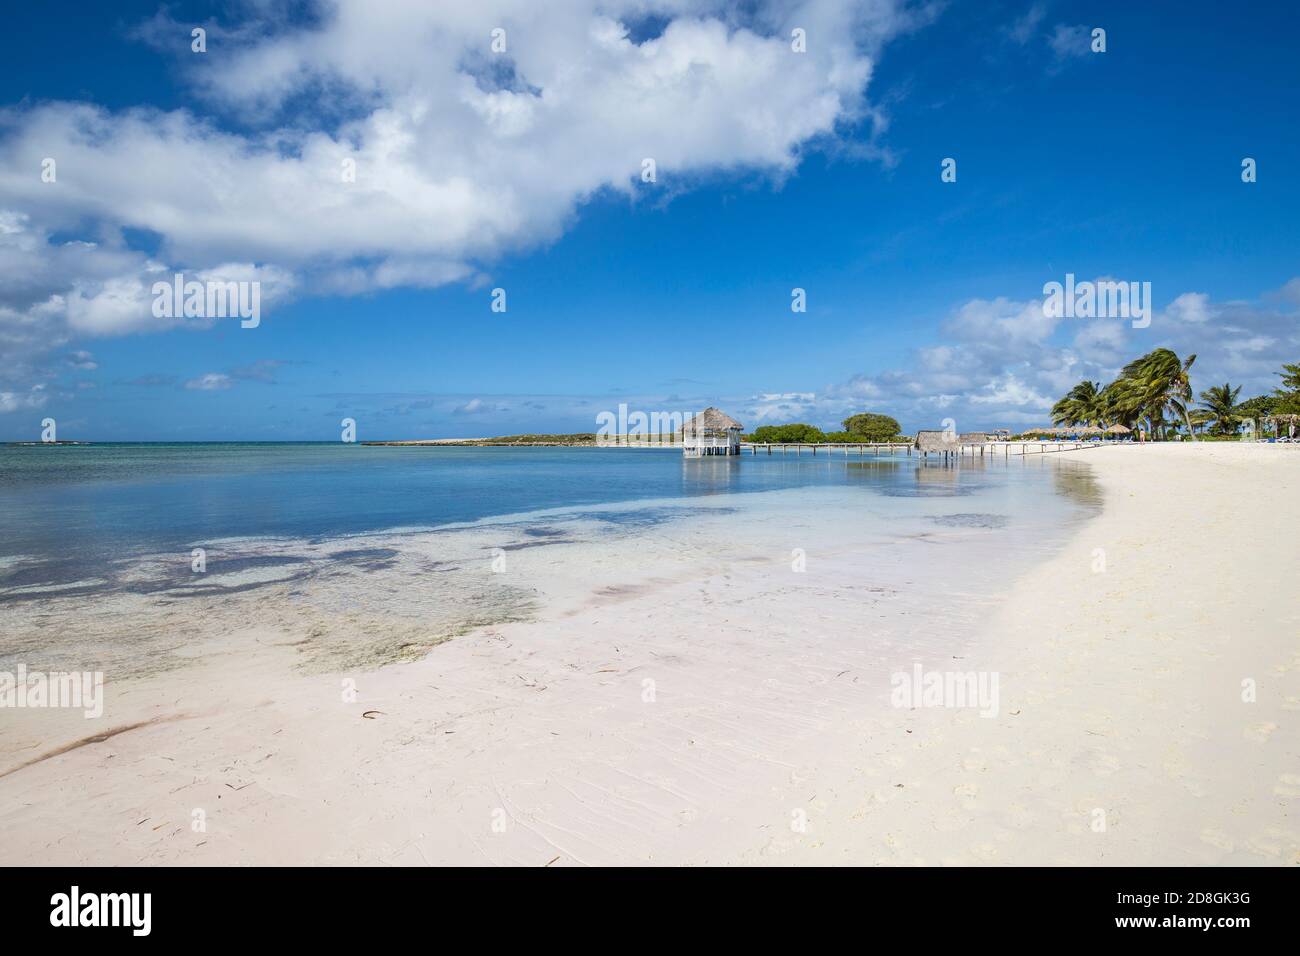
(863, 427)
(1153, 394)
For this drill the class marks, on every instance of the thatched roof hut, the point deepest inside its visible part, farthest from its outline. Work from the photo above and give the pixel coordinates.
(711, 420)
(711, 432)
(948, 441)
(1286, 418)
(944, 440)
(1076, 430)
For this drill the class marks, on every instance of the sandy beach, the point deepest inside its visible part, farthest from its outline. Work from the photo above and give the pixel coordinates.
(694, 700)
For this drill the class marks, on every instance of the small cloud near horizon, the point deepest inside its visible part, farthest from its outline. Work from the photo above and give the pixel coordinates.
(211, 382)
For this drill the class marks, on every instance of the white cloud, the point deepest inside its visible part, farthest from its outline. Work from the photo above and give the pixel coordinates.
(1290, 292)
(1006, 390)
(460, 154)
(1193, 307)
(83, 360)
(787, 397)
(1069, 42)
(1002, 363)
(14, 401)
(1022, 30)
(211, 382)
(1012, 324)
(476, 406)
(473, 407)
(779, 407)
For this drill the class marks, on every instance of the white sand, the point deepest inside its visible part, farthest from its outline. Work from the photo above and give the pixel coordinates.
(770, 736)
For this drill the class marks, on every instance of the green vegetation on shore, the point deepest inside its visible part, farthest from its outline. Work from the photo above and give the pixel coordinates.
(863, 427)
(1153, 395)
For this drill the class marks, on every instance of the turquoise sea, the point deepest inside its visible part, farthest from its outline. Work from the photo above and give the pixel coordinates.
(64, 509)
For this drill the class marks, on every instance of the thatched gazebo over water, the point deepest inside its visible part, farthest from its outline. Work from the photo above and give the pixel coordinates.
(711, 432)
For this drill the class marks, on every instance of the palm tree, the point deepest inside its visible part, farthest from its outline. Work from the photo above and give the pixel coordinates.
(1219, 402)
(1288, 396)
(1152, 384)
(1116, 409)
(1200, 418)
(1084, 405)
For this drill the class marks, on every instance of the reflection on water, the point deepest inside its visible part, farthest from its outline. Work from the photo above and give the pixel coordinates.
(938, 477)
(1076, 482)
(709, 474)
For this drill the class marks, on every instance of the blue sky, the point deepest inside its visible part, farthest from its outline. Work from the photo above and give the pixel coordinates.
(775, 170)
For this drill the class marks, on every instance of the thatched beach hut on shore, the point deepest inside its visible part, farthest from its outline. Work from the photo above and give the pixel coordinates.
(711, 432)
(1080, 431)
(1278, 421)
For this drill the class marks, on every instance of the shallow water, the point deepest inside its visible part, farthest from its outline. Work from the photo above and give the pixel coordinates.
(361, 556)
(74, 507)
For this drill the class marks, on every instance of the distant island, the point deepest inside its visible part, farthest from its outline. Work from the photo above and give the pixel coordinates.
(577, 439)
(863, 427)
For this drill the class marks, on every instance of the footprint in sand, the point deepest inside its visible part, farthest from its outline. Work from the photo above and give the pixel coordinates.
(1259, 732)
(1288, 785)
